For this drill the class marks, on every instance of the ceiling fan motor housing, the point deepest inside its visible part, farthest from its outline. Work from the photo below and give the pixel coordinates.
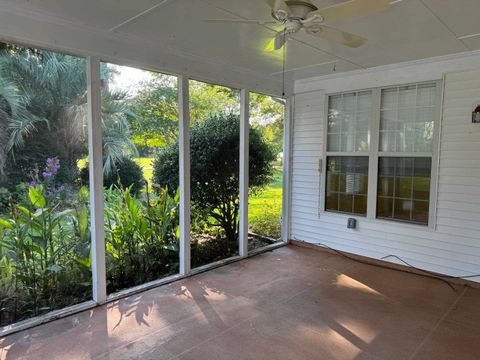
(300, 9)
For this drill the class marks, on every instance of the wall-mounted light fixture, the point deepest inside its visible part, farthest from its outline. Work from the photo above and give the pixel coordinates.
(476, 115)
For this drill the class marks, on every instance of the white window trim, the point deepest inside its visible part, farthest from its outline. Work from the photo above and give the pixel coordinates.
(374, 154)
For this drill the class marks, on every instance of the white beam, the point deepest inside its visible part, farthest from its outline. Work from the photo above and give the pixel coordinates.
(184, 172)
(95, 155)
(244, 164)
(286, 178)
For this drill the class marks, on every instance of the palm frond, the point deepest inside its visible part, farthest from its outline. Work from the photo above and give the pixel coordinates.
(20, 128)
(13, 98)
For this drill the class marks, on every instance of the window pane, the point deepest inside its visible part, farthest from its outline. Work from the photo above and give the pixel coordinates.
(402, 209)
(265, 170)
(388, 140)
(389, 99)
(388, 120)
(404, 189)
(385, 186)
(361, 141)
(364, 101)
(140, 141)
(349, 118)
(363, 121)
(385, 207)
(334, 142)
(214, 167)
(407, 118)
(426, 95)
(406, 96)
(360, 205)
(44, 207)
(347, 184)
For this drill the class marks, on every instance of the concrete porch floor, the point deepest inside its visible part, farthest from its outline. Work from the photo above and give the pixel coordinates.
(292, 303)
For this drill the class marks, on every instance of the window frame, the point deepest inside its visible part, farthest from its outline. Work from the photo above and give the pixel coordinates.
(374, 154)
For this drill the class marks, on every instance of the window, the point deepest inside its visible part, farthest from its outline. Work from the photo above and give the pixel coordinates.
(349, 119)
(402, 124)
(404, 188)
(407, 115)
(347, 184)
(405, 152)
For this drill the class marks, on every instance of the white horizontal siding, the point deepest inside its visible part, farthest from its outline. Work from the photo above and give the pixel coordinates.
(453, 247)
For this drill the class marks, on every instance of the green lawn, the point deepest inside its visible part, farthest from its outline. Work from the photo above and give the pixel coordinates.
(147, 166)
(270, 197)
(145, 163)
(265, 209)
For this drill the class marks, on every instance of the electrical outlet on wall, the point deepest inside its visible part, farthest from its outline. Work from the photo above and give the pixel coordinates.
(351, 223)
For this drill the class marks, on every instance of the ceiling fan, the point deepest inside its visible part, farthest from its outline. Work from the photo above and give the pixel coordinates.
(297, 15)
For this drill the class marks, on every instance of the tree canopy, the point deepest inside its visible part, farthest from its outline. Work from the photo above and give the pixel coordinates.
(156, 107)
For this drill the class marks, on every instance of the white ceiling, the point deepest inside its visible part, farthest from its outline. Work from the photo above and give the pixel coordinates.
(409, 30)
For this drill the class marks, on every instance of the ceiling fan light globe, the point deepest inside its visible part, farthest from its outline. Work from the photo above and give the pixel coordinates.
(293, 26)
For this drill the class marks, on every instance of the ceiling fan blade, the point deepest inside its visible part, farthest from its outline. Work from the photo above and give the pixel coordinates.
(350, 9)
(338, 36)
(277, 5)
(280, 40)
(239, 21)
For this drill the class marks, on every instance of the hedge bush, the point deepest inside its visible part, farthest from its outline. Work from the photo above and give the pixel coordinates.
(126, 173)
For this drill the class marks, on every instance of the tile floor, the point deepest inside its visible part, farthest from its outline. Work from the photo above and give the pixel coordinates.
(291, 303)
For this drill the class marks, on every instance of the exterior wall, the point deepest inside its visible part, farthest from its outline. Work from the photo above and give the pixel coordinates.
(452, 245)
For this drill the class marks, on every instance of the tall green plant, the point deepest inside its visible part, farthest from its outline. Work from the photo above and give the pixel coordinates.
(44, 241)
(39, 244)
(141, 236)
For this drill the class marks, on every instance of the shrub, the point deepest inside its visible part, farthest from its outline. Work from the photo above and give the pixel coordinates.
(27, 166)
(268, 223)
(214, 152)
(127, 173)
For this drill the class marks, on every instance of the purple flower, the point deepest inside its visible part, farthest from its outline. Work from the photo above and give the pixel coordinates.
(51, 168)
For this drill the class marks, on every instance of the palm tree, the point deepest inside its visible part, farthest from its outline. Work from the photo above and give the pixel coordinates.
(43, 111)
